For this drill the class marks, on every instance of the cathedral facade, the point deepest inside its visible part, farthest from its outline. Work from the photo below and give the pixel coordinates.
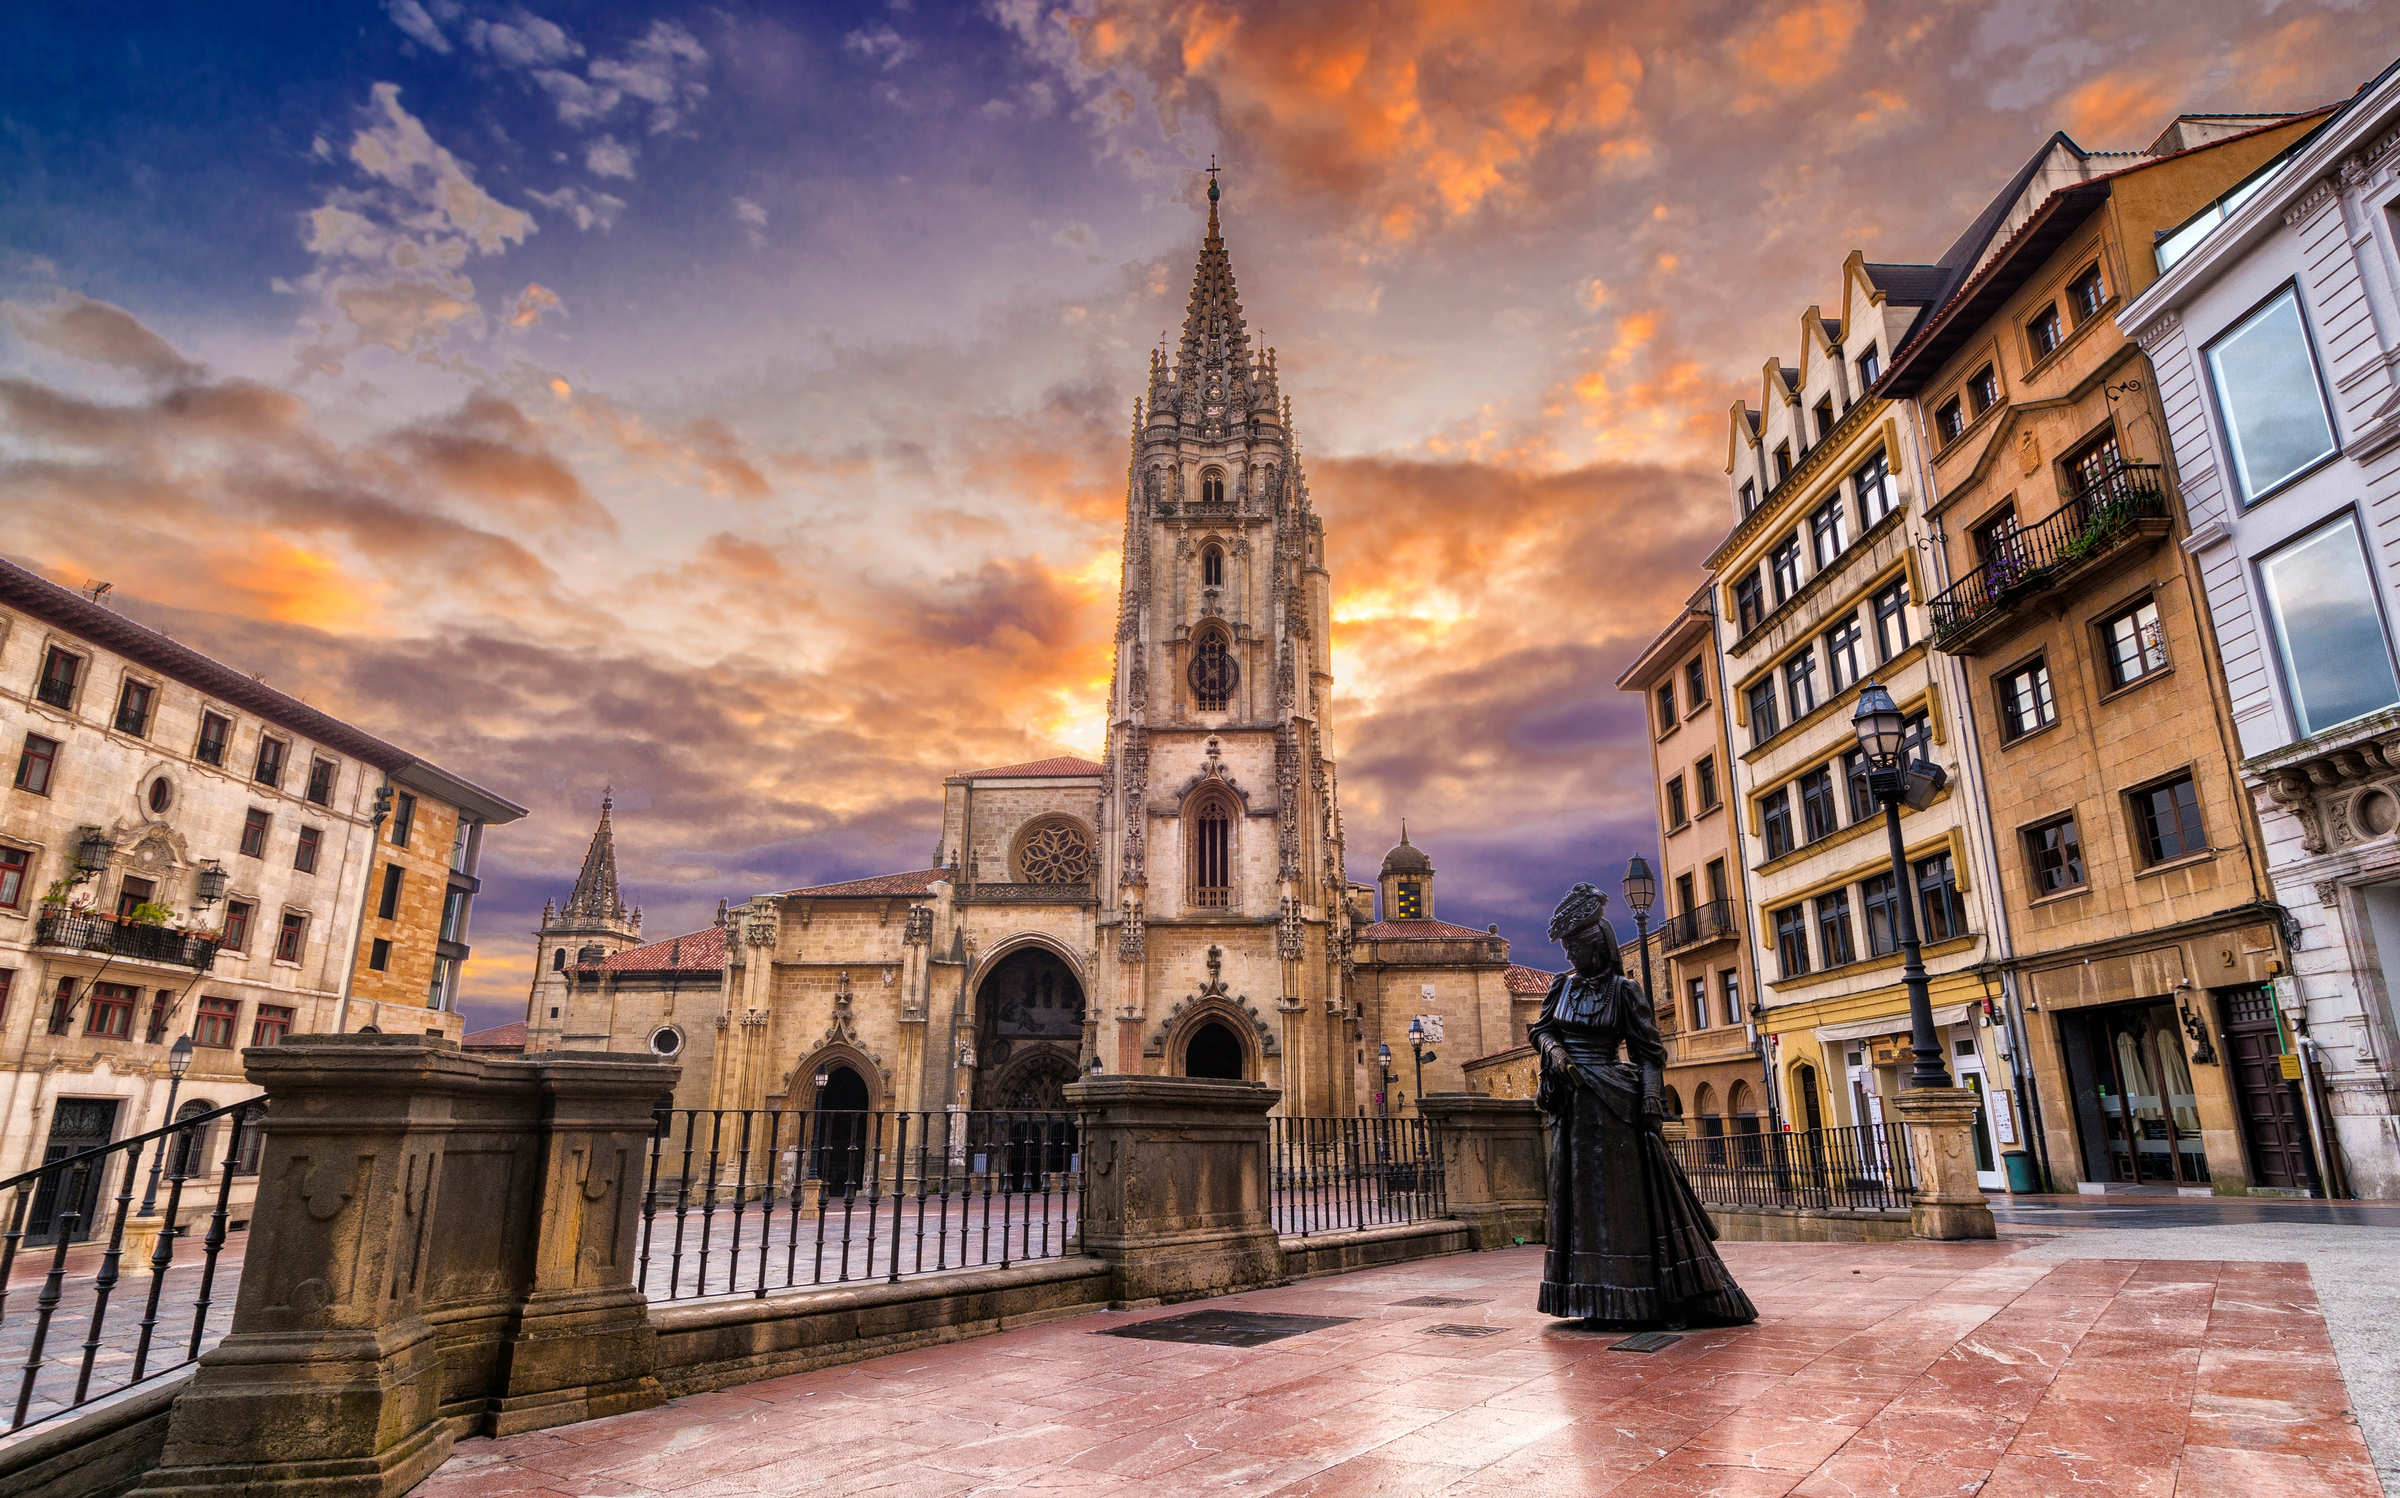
(1179, 908)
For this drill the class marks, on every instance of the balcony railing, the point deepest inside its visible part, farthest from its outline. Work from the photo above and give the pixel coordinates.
(1710, 922)
(1860, 1168)
(81, 931)
(2127, 501)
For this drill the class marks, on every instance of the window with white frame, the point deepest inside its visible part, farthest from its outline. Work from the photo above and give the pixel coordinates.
(1845, 653)
(2268, 394)
(1829, 532)
(1877, 494)
(2337, 661)
(1784, 563)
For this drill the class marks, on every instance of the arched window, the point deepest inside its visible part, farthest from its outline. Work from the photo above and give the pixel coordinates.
(1214, 672)
(1209, 875)
(1674, 1103)
(558, 960)
(1212, 567)
(1213, 1051)
(191, 1148)
(1212, 487)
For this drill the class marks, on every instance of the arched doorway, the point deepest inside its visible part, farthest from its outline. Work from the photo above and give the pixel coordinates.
(1213, 1051)
(840, 1152)
(1029, 1031)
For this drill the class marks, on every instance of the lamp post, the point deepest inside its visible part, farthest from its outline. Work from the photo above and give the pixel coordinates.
(1882, 737)
(1383, 1069)
(1641, 888)
(1416, 1044)
(179, 1061)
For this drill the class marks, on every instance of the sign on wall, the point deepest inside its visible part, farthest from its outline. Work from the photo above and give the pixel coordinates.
(1433, 1027)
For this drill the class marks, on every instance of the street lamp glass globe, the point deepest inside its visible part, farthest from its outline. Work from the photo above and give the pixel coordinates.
(1879, 726)
(823, 1077)
(179, 1056)
(1641, 886)
(1383, 1053)
(1416, 1031)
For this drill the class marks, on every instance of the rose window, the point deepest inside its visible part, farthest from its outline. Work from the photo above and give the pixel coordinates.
(1057, 854)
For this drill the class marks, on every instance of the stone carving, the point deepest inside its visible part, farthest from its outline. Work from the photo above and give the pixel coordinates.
(1287, 932)
(1129, 929)
(1214, 993)
(2328, 893)
(1057, 852)
(2203, 1053)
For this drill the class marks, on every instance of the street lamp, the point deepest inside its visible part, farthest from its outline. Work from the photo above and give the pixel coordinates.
(1416, 1043)
(1883, 738)
(211, 888)
(179, 1061)
(1641, 887)
(1095, 1068)
(1383, 1068)
(92, 851)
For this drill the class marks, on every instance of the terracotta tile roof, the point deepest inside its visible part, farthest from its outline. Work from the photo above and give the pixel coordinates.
(693, 952)
(1528, 980)
(1419, 931)
(1065, 766)
(918, 882)
(510, 1037)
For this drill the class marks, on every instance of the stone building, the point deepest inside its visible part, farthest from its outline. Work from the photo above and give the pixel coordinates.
(2273, 329)
(2130, 874)
(186, 850)
(1703, 979)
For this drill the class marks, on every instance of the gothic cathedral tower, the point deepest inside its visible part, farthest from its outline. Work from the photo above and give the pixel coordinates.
(1221, 859)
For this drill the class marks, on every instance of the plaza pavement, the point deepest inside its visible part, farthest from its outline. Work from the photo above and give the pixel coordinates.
(2161, 1360)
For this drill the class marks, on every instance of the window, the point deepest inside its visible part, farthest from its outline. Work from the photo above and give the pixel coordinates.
(2086, 295)
(1685, 899)
(379, 955)
(162, 795)
(1695, 684)
(1816, 804)
(1775, 820)
(437, 992)
(404, 819)
(288, 940)
(162, 1009)
(304, 855)
(2329, 631)
(1213, 672)
(2267, 391)
(1697, 991)
(2136, 644)
(1666, 706)
(1676, 815)
(1408, 900)
(1845, 654)
(271, 753)
(1824, 418)
(1212, 853)
(1704, 778)
(132, 895)
(1212, 487)
(1791, 940)
(1833, 928)
(1784, 562)
(1762, 712)
(2167, 817)
(273, 1023)
(2056, 853)
(1878, 495)
(320, 781)
(2043, 334)
(134, 701)
(1950, 420)
(1749, 495)
(62, 1007)
(1827, 532)
(1870, 368)
(1717, 892)
(216, 732)
(1748, 607)
(1879, 904)
(237, 926)
(558, 961)
(60, 671)
(1983, 389)
(1783, 461)
(214, 1025)
(1943, 910)
(454, 916)
(254, 833)
(389, 905)
(1891, 619)
(2026, 701)
(1854, 777)
(254, 1140)
(1729, 991)
(109, 1011)
(14, 862)
(1800, 684)
(462, 845)
(35, 764)
(2095, 464)
(1212, 567)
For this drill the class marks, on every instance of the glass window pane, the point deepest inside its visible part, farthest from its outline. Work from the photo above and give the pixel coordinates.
(2267, 387)
(2328, 628)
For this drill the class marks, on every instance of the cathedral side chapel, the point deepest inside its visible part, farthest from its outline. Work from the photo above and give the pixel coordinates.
(1179, 908)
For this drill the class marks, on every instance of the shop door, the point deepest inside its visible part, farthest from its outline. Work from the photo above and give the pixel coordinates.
(77, 1125)
(2133, 1096)
(1969, 1066)
(2271, 1123)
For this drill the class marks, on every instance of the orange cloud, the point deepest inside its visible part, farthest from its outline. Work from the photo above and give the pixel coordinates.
(2117, 106)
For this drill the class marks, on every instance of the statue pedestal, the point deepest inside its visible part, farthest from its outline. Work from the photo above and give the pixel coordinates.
(1946, 1203)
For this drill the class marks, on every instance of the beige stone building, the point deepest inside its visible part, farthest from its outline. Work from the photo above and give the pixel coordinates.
(2131, 872)
(185, 850)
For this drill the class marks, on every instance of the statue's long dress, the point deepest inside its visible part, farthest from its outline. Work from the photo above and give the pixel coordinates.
(1629, 1242)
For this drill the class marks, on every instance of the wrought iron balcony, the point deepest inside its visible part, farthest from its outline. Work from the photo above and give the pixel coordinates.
(2125, 504)
(1706, 923)
(82, 931)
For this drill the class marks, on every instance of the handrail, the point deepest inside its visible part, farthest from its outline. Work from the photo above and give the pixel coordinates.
(83, 931)
(1701, 923)
(2092, 522)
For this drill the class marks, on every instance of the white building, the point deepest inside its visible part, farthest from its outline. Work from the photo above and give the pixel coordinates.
(2275, 334)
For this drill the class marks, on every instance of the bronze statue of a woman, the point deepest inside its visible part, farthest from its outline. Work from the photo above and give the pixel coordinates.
(1629, 1242)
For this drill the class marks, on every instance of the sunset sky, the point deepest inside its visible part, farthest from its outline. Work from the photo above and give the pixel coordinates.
(729, 402)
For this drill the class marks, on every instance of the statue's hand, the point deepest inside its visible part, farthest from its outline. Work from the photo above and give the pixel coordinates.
(1554, 1059)
(1654, 1113)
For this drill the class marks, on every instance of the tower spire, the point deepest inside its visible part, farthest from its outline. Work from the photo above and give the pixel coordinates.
(1212, 367)
(595, 896)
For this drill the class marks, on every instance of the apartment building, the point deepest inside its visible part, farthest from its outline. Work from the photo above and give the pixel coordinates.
(185, 850)
(2129, 871)
(2273, 329)
(1704, 980)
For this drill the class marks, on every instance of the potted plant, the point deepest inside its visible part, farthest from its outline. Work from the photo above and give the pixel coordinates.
(150, 913)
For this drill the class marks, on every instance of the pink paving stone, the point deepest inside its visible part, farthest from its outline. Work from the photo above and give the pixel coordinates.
(1894, 1369)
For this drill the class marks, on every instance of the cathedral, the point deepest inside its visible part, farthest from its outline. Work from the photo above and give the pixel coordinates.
(1179, 908)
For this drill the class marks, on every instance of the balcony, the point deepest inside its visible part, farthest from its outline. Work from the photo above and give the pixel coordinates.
(1698, 927)
(80, 931)
(2126, 504)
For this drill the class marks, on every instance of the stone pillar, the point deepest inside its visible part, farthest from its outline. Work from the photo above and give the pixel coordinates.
(1495, 1165)
(1946, 1202)
(1175, 1193)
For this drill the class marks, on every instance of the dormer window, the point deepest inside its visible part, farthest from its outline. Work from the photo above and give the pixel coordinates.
(1869, 367)
(1212, 487)
(1212, 567)
(1825, 418)
(1783, 461)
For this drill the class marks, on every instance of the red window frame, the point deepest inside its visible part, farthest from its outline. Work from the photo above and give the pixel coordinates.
(214, 1025)
(304, 853)
(292, 938)
(274, 1022)
(254, 833)
(15, 864)
(108, 1011)
(36, 764)
(237, 926)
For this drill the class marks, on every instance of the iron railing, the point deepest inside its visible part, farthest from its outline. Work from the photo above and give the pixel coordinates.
(2091, 523)
(1861, 1167)
(1332, 1175)
(59, 1205)
(746, 1201)
(84, 932)
(1708, 922)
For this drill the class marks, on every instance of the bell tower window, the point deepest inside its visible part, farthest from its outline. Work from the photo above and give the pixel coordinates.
(1214, 672)
(1210, 871)
(1212, 567)
(1212, 487)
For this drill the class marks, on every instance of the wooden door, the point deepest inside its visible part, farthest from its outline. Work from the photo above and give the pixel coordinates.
(2270, 1105)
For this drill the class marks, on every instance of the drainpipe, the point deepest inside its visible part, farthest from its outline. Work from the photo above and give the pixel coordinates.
(366, 893)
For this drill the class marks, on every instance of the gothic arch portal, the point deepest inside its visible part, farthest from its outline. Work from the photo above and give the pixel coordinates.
(1029, 1017)
(800, 1084)
(1214, 1025)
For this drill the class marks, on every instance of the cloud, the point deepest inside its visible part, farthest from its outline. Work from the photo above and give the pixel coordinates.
(749, 213)
(527, 42)
(661, 69)
(587, 208)
(101, 333)
(881, 45)
(443, 204)
(605, 157)
(411, 18)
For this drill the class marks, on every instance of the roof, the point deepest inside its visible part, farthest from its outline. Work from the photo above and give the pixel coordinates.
(917, 882)
(1908, 285)
(508, 1037)
(36, 595)
(1528, 979)
(1062, 767)
(1406, 857)
(697, 951)
(1420, 931)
